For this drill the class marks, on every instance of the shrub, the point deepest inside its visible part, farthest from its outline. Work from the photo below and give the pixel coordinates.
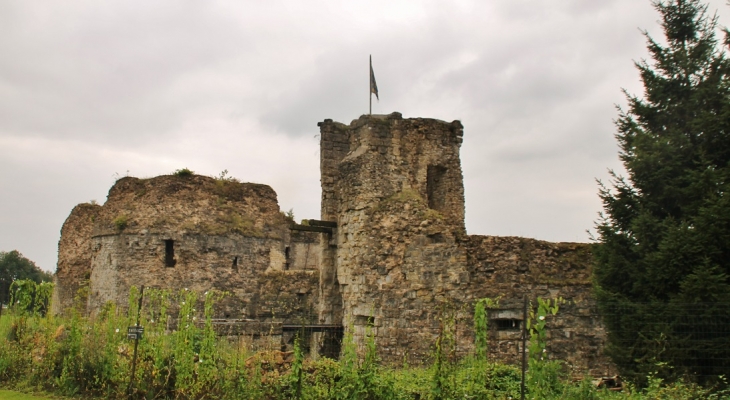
(183, 173)
(120, 222)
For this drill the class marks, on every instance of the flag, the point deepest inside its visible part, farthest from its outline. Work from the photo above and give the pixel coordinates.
(373, 85)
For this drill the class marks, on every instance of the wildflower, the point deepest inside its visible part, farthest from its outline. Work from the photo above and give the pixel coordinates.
(183, 303)
(117, 331)
(542, 317)
(194, 318)
(152, 321)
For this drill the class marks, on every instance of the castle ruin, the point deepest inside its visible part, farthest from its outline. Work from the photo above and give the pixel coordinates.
(389, 254)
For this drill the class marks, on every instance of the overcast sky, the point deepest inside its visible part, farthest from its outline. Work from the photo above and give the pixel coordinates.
(91, 91)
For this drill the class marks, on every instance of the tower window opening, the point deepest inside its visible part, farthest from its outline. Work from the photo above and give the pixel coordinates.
(508, 324)
(287, 252)
(436, 187)
(235, 262)
(170, 253)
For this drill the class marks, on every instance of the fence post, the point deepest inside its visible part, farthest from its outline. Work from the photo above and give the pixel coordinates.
(136, 343)
(524, 348)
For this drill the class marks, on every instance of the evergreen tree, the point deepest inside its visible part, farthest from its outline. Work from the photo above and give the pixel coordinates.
(663, 257)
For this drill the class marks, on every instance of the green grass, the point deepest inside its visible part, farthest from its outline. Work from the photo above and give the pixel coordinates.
(12, 395)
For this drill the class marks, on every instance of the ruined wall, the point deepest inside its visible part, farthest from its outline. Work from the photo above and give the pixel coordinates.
(334, 146)
(397, 264)
(303, 251)
(512, 268)
(399, 205)
(401, 261)
(74, 259)
(199, 233)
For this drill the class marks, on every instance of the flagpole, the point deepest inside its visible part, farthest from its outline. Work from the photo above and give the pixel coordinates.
(370, 89)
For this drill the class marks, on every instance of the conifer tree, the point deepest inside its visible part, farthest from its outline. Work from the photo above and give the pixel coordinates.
(663, 253)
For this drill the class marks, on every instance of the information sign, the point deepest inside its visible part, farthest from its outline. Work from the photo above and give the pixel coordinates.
(135, 332)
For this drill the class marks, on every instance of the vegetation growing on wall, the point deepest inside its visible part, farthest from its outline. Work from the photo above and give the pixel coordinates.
(183, 173)
(121, 222)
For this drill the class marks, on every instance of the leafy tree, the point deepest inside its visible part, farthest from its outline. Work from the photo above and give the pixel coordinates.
(663, 258)
(14, 266)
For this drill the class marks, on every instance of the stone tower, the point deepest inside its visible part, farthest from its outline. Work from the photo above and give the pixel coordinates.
(395, 188)
(189, 232)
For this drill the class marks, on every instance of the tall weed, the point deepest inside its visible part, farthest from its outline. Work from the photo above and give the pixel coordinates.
(182, 358)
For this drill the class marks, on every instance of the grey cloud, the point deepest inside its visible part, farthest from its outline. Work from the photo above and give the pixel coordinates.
(89, 89)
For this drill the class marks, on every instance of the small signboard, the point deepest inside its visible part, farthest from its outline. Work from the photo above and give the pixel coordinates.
(135, 332)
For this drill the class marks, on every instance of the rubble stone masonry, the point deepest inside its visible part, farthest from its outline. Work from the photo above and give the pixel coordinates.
(392, 259)
(403, 262)
(399, 205)
(194, 232)
(74, 259)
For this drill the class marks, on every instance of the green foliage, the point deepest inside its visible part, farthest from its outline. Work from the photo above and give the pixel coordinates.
(224, 177)
(536, 325)
(663, 252)
(22, 292)
(481, 320)
(361, 378)
(443, 357)
(120, 222)
(180, 357)
(228, 187)
(14, 266)
(30, 298)
(545, 377)
(184, 173)
(11, 395)
(296, 370)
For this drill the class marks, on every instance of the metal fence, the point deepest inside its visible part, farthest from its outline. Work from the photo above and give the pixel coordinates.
(673, 340)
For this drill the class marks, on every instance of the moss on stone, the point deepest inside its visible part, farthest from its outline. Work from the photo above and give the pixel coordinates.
(406, 195)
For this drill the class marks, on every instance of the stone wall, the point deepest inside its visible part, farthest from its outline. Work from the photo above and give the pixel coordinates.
(199, 233)
(74, 259)
(334, 146)
(401, 263)
(398, 263)
(513, 268)
(303, 251)
(397, 196)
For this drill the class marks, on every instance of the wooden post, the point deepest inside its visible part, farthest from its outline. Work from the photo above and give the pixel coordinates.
(136, 343)
(524, 348)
